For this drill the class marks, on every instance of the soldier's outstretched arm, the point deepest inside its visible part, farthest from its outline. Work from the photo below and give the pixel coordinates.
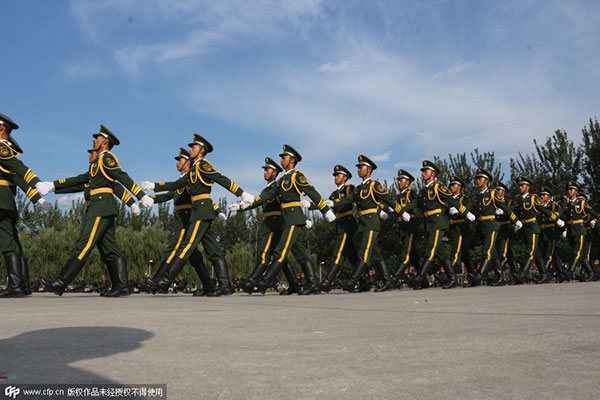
(347, 199)
(501, 204)
(207, 172)
(265, 195)
(29, 190)
(9, 160)
(383, 195)
(163, 197)
(311, 192)
(71, 185)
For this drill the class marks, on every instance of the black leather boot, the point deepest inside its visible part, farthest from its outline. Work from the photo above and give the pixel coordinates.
(543, 269)
(499, 269)
(449, 268)
(163, 284)
(290, 276)
(66, 275)
(204, 275)
(472, 275)
(421, 280)
(120, 286)
(257, 272)
(526, 270)
(222, 274)
(484, 271)
(515, 274)
(388, 282)
(267, 279)
(359, 270)
(400, 275)
(590, 275)
(113, 278)
(312, 286)
(14, 269)
(25, 276)
(330, 278)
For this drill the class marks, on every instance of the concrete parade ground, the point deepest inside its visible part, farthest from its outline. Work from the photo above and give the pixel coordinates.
(512, 342)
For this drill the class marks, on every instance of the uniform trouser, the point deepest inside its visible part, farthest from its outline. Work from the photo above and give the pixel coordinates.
(345, 247)
(504, 246)
(488, 245)
(9, 237)
(368, 250)
(577, 243)
(459, 247)
(98, 231)
(547, 247)
(289, 242)
(194, 234)
(532, 248)
(436, 248)
(407, 245)
(268, 241)
(587, 247)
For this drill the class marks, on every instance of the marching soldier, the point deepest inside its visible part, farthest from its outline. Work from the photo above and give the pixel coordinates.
(99, 228)
(575, 212)
(200, 179)
(340, 202)
(487, 206)
(590, 224)
(369, 197)
(289, 188)
(14, 172)
(271, 232)
(459, 233)
(407, 230)
(528, 208)
(433, 199)
(550, 235)
(506, 237)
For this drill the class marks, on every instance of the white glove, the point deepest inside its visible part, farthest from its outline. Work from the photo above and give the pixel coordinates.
(470, 216)
(135, 209)
(146, 185)
(564, 234)
(248, 198)
(309, 224)
(305, 203)
(221, 217)
(244, 205)
(518, 225)
(592, 223)
(44, 204)
(453, 211)
(406, 216)
(329, 203)
(44, 187)
(234, 207)
(147, 201)
(383, 215)
(329, 216)
(560, 223)
(499, 211)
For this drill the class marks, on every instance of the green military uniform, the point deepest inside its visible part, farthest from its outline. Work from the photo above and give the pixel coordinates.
(506, 237)
(460, 232)
(369, 197)
(199, 181)
(550, 235)
(528, 209)
(288, 189)
(407, 230)
(13, 171)
(345, 227)
(433, 199)
(98, 229)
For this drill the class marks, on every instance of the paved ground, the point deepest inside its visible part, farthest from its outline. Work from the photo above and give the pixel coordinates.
(521, 342)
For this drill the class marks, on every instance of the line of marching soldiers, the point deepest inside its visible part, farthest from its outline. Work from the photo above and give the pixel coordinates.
(356, 211)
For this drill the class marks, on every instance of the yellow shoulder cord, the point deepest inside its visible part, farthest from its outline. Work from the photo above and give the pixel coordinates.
(199, 176)
(372, 194)
(436, 190)
(100, 162)
(295, 184)
(6, 171)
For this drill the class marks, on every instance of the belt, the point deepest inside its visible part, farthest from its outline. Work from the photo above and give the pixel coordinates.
(457, 221)
(6, 183)
(271, 213)
(201, 197)
(503, 223)
(183, 207)
(545, 226)
(432, 212)
(291, 204)
(100, 191)
(575, 221)
(486, 217)
(343, 214)
(527, 221)
(367, 211)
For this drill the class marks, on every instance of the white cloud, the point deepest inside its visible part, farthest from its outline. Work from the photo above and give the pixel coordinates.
(382, 157)
(66, 202)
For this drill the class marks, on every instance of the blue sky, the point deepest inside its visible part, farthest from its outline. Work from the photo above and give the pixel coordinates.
(397, 80)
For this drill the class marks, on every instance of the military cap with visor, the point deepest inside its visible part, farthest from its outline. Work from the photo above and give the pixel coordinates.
(431, 166)
(14, 144)
(9, 123)
(290, 151)
(545, 190)
(402, 173)
(107, 133)
(183, 153)
(271, 164)
(201, 141)
(456, 180)
(522, 180)
(364, 160)
(340, 169)
(501, 186)
(573, 185)
(482, 173)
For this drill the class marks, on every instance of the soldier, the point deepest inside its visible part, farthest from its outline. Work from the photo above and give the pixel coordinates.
(182, 205)
(340, 202)
(289, 188)
(506, 236)
(433, 199)
(99, 228)
(459, 233)
(407, 230)
(200, 179)
(368, 197)
(14, 172)
(575, 212)
(270, 234)
(487, 206)
(550, 235)
(528, 208)
(590, 224)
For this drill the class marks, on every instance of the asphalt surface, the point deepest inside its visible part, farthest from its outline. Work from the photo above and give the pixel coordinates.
(520, 342)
